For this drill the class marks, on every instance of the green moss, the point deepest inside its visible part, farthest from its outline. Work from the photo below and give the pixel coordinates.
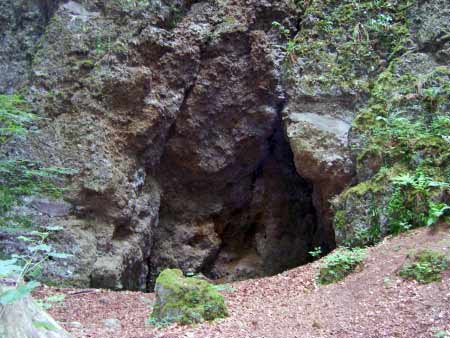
(404, 130)
(339, 219)
(85, 64)
(346, 41)
(406, 120)
(339, 264)
(186, 300)
(361, 189)
(426, 267)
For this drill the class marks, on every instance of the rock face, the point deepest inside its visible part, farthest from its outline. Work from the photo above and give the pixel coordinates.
(200, 139)
(186, 300)
(400, 132)
(170, 113)
(339, 83)
(22, 24)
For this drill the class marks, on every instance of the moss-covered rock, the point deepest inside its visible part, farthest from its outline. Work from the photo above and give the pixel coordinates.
(400, 142)
(342, 44)
(360, 218)
(186, 300)
(381, 67)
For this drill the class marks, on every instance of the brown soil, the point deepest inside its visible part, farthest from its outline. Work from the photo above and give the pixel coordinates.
(374, 302)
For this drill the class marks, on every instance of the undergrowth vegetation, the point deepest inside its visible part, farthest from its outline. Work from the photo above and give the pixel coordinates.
(341, 43)
(426, 267)
(340, 264)
(402, 146)
(366, 51)
(20, 178)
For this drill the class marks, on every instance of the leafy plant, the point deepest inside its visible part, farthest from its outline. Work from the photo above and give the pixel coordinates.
(316, 252)
(13, 116)
(12, 295)
(426, 267)
(159, 323)
(339, 264)
(27, 265)
(48, 302)
(20, 178)
(411, 205)
(442, 334)
(285, 32)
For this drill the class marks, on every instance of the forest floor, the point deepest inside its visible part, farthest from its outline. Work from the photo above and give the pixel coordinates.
(373, 302)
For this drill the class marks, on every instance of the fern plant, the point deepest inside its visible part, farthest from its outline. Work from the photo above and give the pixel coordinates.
(411, 203)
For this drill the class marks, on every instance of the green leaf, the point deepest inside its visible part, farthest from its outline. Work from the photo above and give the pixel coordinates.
(405, 179)
(44, 325)
(24, 239)
(8, 267)
(436, 211)
(12, 295)
(41, 247)
(59, 255)
(43, 305)
(54, 228)
(56, 298)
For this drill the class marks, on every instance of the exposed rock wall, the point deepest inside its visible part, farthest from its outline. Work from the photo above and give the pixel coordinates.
(376, 205)
(171, 116)
(202, 137)
(352, 65)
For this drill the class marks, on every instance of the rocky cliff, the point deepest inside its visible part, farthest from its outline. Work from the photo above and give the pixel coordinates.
(203, 135)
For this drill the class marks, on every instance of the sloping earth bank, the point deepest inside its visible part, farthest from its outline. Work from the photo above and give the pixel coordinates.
(374, 302)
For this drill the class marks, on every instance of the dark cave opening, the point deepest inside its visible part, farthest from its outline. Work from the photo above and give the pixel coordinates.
(272, 228)
(276, 229)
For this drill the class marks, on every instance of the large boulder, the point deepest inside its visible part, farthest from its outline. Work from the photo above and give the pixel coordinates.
(186, 300)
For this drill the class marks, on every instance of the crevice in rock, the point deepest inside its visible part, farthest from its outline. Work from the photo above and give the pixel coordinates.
(275, 231)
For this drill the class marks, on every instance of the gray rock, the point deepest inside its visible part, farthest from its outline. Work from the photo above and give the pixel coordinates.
(75, 325)
(112, 324)
(51, 208)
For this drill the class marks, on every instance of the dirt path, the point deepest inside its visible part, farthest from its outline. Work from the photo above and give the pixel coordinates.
(371, 303)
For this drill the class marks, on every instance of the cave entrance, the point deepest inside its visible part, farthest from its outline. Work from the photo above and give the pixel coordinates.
(267, 221)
